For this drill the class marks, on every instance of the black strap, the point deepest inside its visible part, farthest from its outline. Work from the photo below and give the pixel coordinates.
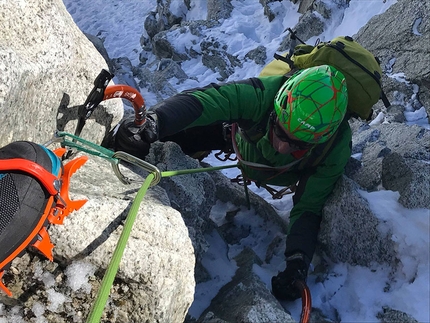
(284, 59)
(385, 99)
(375, 77)
(340, 50)
(293, 35)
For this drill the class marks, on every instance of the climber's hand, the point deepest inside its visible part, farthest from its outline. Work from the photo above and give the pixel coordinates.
(136, 140)
(283, 285)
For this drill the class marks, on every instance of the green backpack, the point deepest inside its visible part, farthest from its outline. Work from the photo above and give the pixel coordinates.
(360, 67)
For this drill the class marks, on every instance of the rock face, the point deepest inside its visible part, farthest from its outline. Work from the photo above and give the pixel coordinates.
(163, 267)
(361, 242)
(47, 69)
(246, 298)
(400, 38)
(410, 177)
(155, 280)
(155, 270)
(378, 146)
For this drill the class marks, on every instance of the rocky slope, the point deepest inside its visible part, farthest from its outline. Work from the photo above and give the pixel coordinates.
(47, 68)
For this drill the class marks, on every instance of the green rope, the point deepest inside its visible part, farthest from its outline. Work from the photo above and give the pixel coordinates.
(109, 277)
(98, 307)
(96, 150)
(193, 171)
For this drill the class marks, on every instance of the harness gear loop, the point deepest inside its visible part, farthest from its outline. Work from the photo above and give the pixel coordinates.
(242, 180)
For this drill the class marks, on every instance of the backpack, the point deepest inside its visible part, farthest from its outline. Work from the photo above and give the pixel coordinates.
(33, 195)
(360, 68)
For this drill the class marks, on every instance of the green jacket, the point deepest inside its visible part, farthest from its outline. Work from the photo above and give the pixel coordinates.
(249, 104)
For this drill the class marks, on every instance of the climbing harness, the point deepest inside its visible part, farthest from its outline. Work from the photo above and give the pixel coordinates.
(245, 180)
(57, 185)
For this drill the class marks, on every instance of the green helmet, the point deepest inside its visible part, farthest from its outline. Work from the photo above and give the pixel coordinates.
(312, 103)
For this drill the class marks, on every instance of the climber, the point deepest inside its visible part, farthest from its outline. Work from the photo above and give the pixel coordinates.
(290, 131)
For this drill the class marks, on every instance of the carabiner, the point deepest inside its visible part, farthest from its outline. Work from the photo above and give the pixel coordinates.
(120, 155)
(56, 138)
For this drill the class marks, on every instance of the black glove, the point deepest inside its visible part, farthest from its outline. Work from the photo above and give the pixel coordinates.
(136, 140)
(283, 285)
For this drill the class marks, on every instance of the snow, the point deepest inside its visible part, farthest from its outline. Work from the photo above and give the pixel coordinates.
(13, 316)
(356, 293)
(46, 277)
(220, 268)
(77, 275)
(416, 25)
(55, 300)
(378, 120)
(357, 15)
(38, 309)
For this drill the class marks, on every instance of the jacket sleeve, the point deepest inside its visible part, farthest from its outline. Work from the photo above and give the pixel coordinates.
(242, 101)
(315, 186)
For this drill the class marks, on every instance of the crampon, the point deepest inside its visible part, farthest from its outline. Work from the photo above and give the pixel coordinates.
(34, 193)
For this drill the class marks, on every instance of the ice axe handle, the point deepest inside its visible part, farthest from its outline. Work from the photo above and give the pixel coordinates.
(96, 95)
